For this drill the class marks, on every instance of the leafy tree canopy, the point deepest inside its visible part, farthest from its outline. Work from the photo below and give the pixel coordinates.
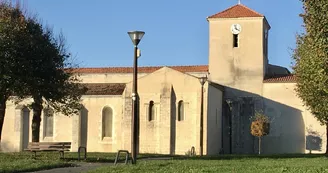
(311, 60)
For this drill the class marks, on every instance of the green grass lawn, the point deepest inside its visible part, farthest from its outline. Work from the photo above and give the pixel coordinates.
(24, 162)
(21, 162)
(242, 164)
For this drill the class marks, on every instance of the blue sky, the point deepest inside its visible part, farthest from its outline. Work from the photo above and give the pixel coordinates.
(176, 30)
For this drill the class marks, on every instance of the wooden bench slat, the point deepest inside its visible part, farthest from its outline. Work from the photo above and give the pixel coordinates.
(48, 146)
(50, 143)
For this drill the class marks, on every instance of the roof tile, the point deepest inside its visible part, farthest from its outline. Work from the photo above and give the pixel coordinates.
(184, 69)
(285, 79)
(104, 88)
(237, 11)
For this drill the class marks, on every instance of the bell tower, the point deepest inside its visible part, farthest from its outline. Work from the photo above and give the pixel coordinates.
(238, 41)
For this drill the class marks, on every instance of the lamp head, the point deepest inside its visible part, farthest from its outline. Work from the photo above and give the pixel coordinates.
(202, 80)
(136, 36)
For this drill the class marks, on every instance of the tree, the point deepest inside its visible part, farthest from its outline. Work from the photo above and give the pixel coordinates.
(33, 63)
(51, 80)
(12, 25)
(311, 60)
(260, 126)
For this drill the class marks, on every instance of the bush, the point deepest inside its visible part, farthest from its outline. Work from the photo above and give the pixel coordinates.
(260, 126)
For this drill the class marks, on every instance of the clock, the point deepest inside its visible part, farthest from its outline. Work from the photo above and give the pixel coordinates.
(235, 28)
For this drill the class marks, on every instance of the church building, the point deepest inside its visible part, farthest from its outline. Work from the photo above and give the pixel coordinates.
(240, 81)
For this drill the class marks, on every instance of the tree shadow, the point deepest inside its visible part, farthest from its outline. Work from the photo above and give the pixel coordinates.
(313, 140)
(84, 126)
(173, 122)
(287, 128)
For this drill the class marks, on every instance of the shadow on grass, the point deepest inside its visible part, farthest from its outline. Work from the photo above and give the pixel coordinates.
(238, 157)
(43, 167)
(110, 157)
(72, 158)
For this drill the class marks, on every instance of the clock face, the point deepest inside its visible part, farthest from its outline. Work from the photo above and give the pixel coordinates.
(235, 28)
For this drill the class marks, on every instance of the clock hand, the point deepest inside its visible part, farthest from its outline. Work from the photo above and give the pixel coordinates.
(236, 28)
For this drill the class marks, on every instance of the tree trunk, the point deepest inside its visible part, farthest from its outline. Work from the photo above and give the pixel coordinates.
(259, 145)
(2, 113)
(37, 109)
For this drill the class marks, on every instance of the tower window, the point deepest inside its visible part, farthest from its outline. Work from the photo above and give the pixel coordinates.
(235, 40)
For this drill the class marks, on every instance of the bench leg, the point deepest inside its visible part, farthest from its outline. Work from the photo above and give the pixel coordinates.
(61, 153)
(116, 158)
(127, 156)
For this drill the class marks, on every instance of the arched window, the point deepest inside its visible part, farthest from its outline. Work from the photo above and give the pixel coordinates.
(151, 111)
(180, 111)
(48, 124)
(107, 122)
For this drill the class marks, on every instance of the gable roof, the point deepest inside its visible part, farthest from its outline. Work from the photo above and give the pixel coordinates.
(284, 79)
(166, 69)
(104, 88)
(183, 69)
(237, 11)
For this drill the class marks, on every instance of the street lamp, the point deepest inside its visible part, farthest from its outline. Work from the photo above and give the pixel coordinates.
(202, 81)
(136, 37)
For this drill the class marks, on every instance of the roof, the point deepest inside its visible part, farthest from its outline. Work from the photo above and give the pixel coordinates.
(104, 88)
(184, 69)
(237, 11)
(284, 79)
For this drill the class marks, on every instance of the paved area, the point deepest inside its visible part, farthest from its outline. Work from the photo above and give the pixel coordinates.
(81, 167)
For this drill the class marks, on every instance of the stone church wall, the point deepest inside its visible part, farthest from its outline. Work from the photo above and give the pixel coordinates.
(93, 114)
(213, 100)
(118, 77)
(81, 130)
(294, 128)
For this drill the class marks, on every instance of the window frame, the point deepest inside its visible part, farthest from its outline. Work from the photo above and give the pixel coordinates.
(111, 123)
(46, 123)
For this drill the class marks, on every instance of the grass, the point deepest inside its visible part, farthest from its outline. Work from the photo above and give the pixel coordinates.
(243, 164)
(24, 162)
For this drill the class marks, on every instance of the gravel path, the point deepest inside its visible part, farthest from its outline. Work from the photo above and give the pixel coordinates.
(81, 167)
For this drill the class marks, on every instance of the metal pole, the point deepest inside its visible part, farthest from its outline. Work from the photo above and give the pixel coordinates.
(134, 136)
(201, 120)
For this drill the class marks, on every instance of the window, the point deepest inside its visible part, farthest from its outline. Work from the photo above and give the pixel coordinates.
(180, 111)
(151, 111)
(107, 122)
(48, 120)
(235, 40)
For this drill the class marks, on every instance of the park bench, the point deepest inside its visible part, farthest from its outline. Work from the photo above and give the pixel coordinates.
(127, 156)
(61, 147)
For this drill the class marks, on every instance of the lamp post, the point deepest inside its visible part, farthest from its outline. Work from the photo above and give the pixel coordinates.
(202, 81)
(136, 37)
